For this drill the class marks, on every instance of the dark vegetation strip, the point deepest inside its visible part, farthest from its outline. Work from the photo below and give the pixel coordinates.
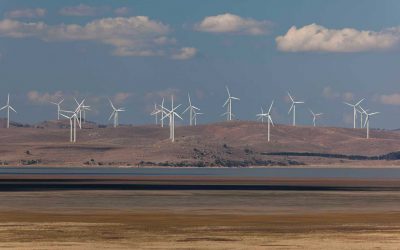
(389, 157)
(14, 187)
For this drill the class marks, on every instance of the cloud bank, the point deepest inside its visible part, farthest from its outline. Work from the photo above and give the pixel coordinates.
(185, 53)
(26, 13)
(391, 99)
(129, 36)
(229, 23)
(317, 38)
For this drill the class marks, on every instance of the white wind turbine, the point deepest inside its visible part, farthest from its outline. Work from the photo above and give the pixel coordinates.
(155, 112)
(367, 116)
(269, 118)
(354, 106)
(315, 116)
(82, 109)
(261, 115)
(73, 121)
(192, 110)
(228, 102)
(58, 107)
(115, 113)
(195, 114)
(8, 107)
(171, 114)
(293, 108)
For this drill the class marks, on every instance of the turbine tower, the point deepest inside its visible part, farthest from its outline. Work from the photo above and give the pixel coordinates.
(192, 110)
(228, 103)
(58, 107)
(315, 116)
(8, 107)
(114, 113)
(367, 116)
(293, 108)
(354, 106)
(73, 121)
(155, 112)
(195, 117)
(171, 114)
(269, 119)
(82, 109)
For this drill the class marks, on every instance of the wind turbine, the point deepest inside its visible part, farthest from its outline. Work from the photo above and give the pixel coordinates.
(293, 107)
(82, 109)
(73, 121)
(195, 117)
(155, 112)
(269, 118)
(58, 108)
(228, 103)
(115, 113)
(8, 107)
(315, 115)
(261, 115)
(171, 114)
(192, 110)
(367, 115)
(354, 110)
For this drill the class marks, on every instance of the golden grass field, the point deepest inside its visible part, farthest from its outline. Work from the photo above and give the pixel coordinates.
(199, 220)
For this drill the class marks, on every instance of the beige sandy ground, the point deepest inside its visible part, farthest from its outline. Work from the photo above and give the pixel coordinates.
(198, 220)
(170, 231)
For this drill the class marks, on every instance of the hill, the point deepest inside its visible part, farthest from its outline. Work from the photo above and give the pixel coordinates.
(218, 144)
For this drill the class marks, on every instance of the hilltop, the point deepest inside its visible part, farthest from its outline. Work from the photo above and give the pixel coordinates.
(219, 144)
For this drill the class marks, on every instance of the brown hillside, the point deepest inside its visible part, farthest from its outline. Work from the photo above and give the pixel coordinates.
(209, 144)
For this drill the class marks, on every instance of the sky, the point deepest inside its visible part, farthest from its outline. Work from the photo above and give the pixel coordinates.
(138, 52)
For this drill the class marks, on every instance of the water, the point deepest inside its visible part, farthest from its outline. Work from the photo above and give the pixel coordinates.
(317, 173)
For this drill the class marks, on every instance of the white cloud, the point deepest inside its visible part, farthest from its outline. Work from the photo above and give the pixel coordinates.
(329, 93)
(348, 96)
(166, 94)
(129, 36)
(185, 53)
(82, 10)
(121, 97)
(229, 23)
(26, 13)
(37, 97)
(122, 11)
(314, 37)
(391, 99)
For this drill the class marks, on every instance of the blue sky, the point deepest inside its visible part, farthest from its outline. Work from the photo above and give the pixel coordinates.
(136, 52)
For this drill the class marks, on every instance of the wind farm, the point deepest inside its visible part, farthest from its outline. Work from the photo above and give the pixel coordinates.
(199, 125)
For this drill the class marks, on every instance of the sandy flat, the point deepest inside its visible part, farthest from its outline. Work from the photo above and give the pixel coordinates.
(199, 220)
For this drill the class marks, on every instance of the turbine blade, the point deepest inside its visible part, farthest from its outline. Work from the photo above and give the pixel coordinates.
(13, 109)
(65, 116)
(366, 120)
(270, 119)
(351, 105)
(291, 107)
(227, 100)
(178, 115)
(291, 98)
(3, 107)
(270, 107)
(112, 105)
(112, 114)
(186, 110)
(235, 98)
(358, 103)
(229, 94)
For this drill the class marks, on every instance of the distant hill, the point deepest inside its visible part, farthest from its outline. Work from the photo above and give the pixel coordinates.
(219, 144)
(3, 124)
